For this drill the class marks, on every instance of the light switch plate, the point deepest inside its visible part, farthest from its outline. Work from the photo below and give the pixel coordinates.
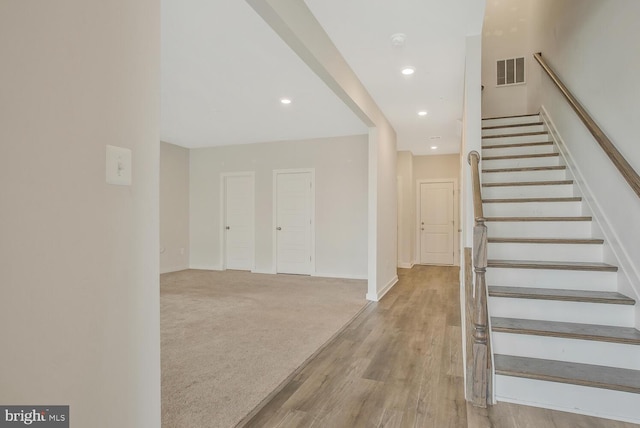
(118, 166)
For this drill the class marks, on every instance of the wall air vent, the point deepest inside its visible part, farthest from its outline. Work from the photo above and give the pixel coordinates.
(510, 71)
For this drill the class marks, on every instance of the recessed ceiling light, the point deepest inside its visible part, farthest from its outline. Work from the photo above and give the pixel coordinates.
(422, 113)
(398, 39)
(408, 71)
(434, 147)
(285, 100)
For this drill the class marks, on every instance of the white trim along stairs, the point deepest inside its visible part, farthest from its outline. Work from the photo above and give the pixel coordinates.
(562, 334)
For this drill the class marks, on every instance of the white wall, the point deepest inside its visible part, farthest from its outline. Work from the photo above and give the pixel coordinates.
(297, 26)
(471, 134)
(601, 68)
(505, 34)
(341, 200)
(383, 210)
(79, 305)
(406, 220)
(436, 168)
(174, 208)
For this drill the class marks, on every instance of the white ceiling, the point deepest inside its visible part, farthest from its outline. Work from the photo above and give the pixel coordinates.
(435, 46)
(224, 71)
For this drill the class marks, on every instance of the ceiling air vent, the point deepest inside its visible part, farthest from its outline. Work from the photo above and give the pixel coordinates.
(510, 71)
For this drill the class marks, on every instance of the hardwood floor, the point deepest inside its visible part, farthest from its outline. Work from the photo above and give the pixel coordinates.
(399, 364)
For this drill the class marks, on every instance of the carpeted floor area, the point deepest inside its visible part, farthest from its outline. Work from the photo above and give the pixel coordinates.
(229, 338)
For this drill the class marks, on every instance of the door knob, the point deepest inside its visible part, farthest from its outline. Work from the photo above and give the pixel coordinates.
(278, 228)
(227, 228)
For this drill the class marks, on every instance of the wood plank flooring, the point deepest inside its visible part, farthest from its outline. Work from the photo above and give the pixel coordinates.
(567, 372)
(610, 297)
(603, 333)
(528, 183)
(526, 264)
(398, 364)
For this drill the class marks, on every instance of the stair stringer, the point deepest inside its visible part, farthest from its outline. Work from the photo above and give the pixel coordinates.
(614, 253)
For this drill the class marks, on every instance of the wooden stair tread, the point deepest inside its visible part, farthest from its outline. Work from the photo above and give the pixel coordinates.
(514, 125)
(529, 183)
(586, 296)
(522, 156)
(525, 169)
(511, 117)
(614, 378)
(536, 264)
(519, 134)
(579, 218)
(518, 200)
(547, 241)
(508, 146)
(568, 330)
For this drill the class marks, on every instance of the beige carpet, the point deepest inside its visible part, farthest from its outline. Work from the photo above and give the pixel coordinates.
(229, 338)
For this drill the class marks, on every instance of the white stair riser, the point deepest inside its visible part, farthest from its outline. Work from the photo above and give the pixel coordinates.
(554, 310)
(520, 176)
(511, 120)
(572, 398)
(572, 350)
(546, 191)
(569, 398)
(539, 229)
(520, 162)
(548, 278)
(533, 138)
(547, 252)
(522, 150)
(533, 209)
(512, 130)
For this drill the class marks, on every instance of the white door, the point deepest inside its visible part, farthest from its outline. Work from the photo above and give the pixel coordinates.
(238, 222)
(436, 223)
(293, 222)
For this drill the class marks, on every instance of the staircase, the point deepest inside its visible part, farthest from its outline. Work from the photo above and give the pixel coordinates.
(562, 335)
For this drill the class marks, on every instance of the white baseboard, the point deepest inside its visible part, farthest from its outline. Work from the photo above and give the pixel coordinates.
(266, 272)
(380, 294)
(403, 265)
(205, 267)
(339, 275)
(173, 269)
(317, 274)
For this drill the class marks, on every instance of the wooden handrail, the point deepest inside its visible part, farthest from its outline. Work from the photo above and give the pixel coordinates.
(616, 157)
(481, 359)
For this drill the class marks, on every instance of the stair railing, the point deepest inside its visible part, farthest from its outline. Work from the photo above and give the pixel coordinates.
(605, 143)
(481, 358)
